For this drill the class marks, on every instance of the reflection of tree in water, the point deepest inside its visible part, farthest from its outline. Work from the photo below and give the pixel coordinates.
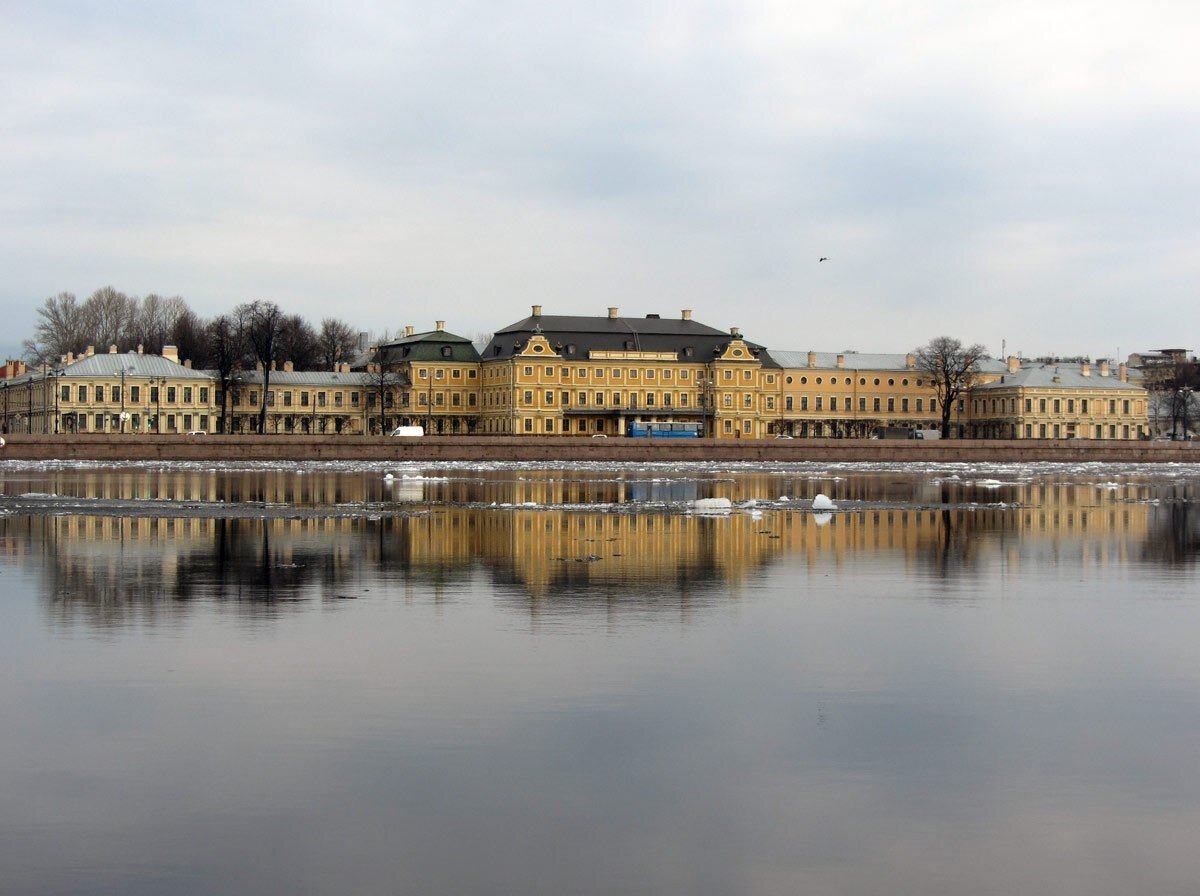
(1173, 535)
(952, 552)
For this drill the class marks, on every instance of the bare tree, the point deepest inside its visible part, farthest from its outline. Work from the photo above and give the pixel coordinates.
(226, 348)
(109, 316)
(953, 369)
(384, 377)
(61, 326)
(262, 323)
(336, 342)
(189, 335)
(155, 318)
(298, 343)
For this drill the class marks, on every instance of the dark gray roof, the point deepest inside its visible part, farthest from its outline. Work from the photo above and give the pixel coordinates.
(575, 336)
(310, 378)
(436, 345)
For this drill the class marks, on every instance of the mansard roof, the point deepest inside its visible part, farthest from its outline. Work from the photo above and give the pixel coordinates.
(435, 345)
(575, 336)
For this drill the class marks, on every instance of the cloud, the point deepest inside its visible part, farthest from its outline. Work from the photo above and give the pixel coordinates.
(986, 170)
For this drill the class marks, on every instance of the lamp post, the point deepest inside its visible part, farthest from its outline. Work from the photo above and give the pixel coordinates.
(123, 415)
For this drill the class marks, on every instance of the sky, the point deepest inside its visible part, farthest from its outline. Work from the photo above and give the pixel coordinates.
(1019, 174)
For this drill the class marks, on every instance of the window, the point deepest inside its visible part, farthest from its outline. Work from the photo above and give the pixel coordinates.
(1041, 405)
(804, 402)
(203, 394)
(439, 374)
(649, 399)
(303, 399)
(455, 399)
(422, 399)
(187, 394)
(1070, 405)
(549, 397)
(528, 371)
(728, 374)
(633, 374)
(528, 423)
(422, 374)
(728, 425)
(820, 403)
(933, 405)
(549, 371)
(1028, 405)
(135, 394)
(564, 399)
(1083, 405)
(747, 374)
(920, 405)
(728, 400)
(582, 399)
(1125, 410)
(904, 405)
(171, 396)
(337, 399)
(439, 399)
(683, 400)
(66, 393)
(83, 394)
(875, 404)
(747, 400)
(1057, 406)
(320, 399)
(600, 399)
(787, 403)
(271, 398)
(528, 396)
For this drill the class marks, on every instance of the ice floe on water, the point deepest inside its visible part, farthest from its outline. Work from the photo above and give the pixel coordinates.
(823, 502)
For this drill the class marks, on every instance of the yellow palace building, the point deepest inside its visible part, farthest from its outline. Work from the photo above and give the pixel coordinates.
(577, 376)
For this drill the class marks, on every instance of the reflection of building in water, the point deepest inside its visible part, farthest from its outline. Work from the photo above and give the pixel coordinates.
(112, 570)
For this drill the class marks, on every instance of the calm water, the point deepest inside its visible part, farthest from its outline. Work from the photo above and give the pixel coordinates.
(316, 680)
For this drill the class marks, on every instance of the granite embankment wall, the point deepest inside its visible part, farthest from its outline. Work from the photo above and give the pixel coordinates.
(101, 448)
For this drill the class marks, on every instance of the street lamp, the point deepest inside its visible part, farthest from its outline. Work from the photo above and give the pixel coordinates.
(1185, 399)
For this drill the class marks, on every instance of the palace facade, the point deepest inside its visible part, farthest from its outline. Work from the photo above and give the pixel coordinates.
(557, 375)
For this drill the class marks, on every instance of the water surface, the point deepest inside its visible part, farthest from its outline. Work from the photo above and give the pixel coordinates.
(502, 680)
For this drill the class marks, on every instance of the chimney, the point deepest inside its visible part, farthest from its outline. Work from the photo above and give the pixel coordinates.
(1104, 368)
(735, 332)
(841, 361)
(91, 350)
(288, 366)
(112, 349)
(537, 310)
(1085, 368)
(687, 313)
(1014, 363)
(272, 365)
(188, 363)
(613, 313)
(408, 331)
(812, 359)
(170, 352)
(70, 359)
(910, 361)
(362, 340)
(440, 325)
(258, 366)
(140, 348)
(1123, 373)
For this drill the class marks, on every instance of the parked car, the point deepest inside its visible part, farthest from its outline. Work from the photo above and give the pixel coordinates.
(408, 431)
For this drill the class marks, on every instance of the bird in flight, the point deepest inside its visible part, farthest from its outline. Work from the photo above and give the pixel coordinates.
(823, 258)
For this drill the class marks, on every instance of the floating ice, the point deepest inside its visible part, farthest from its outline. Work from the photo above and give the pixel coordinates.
(388, 478)
(712, 505)
(822, 519)
(822, 502)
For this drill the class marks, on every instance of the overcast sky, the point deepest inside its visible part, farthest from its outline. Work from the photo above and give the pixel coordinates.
(1018, 171)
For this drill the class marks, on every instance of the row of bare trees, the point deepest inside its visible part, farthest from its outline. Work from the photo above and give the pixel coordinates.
(252, 334)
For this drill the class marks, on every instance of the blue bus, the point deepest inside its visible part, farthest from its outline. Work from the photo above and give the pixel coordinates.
(640, 430)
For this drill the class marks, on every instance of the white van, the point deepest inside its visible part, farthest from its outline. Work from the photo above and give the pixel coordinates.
(408, 431)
